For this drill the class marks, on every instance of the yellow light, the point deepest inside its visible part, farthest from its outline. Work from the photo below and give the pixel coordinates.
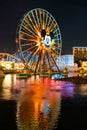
(38, 44)
(39, 34)
(8, 66)
(53, 42)
(48, 31)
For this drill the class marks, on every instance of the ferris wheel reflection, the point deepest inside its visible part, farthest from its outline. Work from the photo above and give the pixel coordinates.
(39, 108)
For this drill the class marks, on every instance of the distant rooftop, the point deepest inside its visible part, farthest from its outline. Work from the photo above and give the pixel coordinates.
(79, 47)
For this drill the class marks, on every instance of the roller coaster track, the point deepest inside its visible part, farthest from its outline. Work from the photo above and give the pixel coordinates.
(10, 55)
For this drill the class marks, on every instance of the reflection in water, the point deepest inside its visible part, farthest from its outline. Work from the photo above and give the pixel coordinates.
(9, 81)
(83, 89)
(67, 89)
(38, 100)
(10, 87)
(5, 87)
(38, 108)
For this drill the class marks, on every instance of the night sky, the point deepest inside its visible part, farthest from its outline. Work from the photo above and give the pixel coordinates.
(70, 16)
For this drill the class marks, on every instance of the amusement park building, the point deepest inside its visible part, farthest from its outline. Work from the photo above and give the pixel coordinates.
(80, 56)
(67, 61)
(80, 53)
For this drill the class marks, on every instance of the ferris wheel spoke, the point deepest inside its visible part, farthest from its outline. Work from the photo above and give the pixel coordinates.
(24, 45)
(45, 67)
(30, 41)
(43, 14)
(29, 31)
(41, 18)
(33, 62)
(37, 61)
(26, 34)
(55, 63)
(56, 39)
(56, 35)
(36, 66)
(30, 26)
(52, 25)
(47, 19)
(36, 25)
(37, 19)
(49, 22)
(28, 44)
(28, 57)
(56, 52)
(36, 29)
(47, 55)
(55, 30)
(36, 52)
(29, 49)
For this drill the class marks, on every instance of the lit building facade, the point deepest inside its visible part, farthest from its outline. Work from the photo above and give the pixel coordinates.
(67, 61)
(84, 65)
(80, 54)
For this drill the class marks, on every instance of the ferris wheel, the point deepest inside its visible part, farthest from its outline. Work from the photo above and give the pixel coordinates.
(39, 40)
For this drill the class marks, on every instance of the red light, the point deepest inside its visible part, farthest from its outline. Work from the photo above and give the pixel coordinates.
(0, 57)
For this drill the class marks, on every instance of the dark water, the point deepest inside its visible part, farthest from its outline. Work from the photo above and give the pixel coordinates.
(42, 104)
